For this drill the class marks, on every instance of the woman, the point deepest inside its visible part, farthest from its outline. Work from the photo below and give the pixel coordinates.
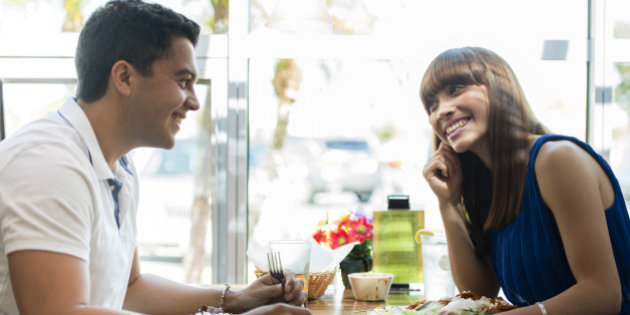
(539, 215)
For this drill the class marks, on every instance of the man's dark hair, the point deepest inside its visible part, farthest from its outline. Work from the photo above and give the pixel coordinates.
(129, 30)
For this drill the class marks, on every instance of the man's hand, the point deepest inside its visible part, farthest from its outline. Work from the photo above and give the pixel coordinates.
(267, 290)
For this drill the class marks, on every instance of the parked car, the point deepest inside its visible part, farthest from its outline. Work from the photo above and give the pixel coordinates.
(166, 194)
(344, 164)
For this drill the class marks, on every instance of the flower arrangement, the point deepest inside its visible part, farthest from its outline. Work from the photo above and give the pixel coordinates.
(354, 226)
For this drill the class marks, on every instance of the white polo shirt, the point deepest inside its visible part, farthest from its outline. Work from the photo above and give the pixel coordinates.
(54, 196)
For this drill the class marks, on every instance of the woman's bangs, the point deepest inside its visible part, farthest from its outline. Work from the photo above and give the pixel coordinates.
(446, 72)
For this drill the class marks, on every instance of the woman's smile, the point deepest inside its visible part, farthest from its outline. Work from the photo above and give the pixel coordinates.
(455, 127)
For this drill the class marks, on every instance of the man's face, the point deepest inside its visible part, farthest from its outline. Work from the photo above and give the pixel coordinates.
(164, 97)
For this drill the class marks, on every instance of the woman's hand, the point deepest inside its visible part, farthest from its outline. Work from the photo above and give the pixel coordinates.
(444, 174)
(267, 290)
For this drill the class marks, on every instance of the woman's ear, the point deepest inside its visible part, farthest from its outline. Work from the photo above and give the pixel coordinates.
(121, 77)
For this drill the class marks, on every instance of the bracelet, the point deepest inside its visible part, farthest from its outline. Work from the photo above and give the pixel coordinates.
(227, 287)
(542, 308)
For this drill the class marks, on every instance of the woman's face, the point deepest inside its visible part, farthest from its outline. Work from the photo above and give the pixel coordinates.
(459, 117)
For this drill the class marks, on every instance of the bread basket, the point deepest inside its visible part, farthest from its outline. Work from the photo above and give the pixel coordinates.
(317, 281)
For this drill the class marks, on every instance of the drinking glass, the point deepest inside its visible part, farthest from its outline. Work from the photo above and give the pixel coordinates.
(436, 270)
(295, 256)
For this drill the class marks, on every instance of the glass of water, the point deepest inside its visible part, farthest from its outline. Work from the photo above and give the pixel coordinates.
(436, 269)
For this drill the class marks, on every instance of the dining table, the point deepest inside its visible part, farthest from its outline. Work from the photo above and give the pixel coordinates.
(341, 301)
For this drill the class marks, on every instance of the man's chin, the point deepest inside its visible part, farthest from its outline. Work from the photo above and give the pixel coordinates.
(170, 144)
(167, 143)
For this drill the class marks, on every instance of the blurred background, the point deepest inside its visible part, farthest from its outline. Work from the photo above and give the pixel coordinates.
(314, 119)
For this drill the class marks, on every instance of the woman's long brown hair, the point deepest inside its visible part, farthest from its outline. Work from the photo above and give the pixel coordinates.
(492, 196)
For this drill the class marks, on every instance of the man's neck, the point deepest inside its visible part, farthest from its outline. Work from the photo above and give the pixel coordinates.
(103, 116)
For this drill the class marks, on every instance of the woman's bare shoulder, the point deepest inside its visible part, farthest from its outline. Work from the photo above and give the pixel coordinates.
(562, 154)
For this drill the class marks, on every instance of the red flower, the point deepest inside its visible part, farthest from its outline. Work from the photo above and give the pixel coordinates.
(360, 230)
(350, 227)
(320, 236)
(338, 238)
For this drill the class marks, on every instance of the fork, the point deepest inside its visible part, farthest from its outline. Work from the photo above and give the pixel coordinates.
(275, 267)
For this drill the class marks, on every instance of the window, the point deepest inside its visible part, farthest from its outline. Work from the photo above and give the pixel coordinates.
(315, 99)
(610, 113)
(294, 126)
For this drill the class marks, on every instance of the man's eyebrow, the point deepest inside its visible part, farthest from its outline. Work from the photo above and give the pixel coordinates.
(184, 72)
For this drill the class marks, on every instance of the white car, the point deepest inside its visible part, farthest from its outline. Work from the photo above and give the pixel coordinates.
(166, 195)
(344, 164)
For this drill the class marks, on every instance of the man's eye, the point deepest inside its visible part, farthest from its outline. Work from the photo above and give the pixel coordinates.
(184, 83)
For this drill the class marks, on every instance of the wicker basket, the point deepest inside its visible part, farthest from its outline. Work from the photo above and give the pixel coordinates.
(317, 281)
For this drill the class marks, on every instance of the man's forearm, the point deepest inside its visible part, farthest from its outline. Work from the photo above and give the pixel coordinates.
(151, 294)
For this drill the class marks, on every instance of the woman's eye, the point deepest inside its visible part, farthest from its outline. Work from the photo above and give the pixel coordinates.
(430, 106)
(454, 88)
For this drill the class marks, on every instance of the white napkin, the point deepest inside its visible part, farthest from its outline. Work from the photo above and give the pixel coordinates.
(322, 259)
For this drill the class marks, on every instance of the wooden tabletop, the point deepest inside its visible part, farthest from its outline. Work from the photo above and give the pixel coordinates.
(337, 302)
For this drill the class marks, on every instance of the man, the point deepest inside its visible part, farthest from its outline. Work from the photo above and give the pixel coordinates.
(68, 191)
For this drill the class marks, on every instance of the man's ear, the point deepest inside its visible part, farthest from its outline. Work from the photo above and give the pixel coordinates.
(122, 77)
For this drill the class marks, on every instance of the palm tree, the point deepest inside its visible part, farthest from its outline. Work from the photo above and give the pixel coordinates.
(74, 17)
(286, 83)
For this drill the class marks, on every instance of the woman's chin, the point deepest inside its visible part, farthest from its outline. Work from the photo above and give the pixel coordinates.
(459, 146)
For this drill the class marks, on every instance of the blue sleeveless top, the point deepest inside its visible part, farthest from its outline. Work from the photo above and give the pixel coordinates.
(528, 255)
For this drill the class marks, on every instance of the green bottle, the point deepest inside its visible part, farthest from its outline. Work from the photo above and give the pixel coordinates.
(395, 250)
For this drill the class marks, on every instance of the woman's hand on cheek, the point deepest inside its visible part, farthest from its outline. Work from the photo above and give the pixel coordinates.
(444, 175)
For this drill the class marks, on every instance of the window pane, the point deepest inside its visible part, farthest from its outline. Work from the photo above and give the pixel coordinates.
(49, 55)
(350, 139)
(167, 179)
(37, 17)
(337, 134)
(24, 102)
(456, 19)
(170, 181)
(621, 20)
(617, 118)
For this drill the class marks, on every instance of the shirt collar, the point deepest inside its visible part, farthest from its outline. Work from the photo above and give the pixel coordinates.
(79, 121)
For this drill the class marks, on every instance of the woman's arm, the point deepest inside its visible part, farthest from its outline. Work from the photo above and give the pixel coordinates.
(470, 272)
(578, 191)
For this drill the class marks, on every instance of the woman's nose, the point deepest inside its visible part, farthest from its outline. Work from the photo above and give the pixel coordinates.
(445, 110)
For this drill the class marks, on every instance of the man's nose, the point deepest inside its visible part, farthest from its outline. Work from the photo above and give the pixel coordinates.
(191, 100)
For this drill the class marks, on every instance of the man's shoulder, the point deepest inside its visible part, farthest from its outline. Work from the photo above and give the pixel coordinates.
(44, 140)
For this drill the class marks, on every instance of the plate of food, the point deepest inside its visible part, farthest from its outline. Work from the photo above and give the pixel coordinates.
(209, 310)
(465, 303)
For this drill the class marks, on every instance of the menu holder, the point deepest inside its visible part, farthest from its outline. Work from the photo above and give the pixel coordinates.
(395, 250)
